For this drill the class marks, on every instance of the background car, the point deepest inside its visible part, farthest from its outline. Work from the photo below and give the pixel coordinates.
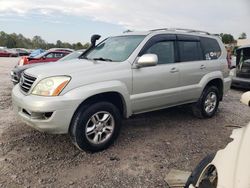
(17, 71)
(22, 51)
(241, 74)
(8, 53)
(48, 56)
(36, 52)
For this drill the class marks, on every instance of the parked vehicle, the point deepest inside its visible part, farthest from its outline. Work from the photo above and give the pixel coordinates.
(36, 52)
(48, 56)
(8, 53)
(17, 71)
(228, 168)
(21, 51)
(133, 73)
(241, 75)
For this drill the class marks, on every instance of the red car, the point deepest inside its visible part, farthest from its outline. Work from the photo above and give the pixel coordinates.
(48, 56)
(8, 53)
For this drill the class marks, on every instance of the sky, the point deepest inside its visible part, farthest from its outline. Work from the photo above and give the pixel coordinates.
(76, 20)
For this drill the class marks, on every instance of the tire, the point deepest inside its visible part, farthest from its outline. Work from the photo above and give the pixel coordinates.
(89, 126)
(194, 177)
(199, 109)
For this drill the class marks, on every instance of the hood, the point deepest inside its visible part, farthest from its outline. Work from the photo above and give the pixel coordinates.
(76, 66)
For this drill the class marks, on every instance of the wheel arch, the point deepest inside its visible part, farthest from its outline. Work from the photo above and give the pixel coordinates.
(113, 97)
(219, 84)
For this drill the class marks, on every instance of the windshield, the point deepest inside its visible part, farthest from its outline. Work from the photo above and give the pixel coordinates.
(73, 55)
(115, 48)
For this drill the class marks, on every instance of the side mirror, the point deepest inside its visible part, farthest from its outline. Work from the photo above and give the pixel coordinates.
(147, 60)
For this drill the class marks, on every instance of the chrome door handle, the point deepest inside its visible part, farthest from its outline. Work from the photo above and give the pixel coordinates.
(174, 70)
(202, 67)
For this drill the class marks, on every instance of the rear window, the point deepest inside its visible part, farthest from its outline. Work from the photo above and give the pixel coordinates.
(211, 48)
(190, 51)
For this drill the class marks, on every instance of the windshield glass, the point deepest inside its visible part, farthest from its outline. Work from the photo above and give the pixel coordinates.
(115, 48)
(72, 55)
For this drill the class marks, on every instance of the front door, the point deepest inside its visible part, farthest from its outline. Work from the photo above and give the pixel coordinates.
(155, 87)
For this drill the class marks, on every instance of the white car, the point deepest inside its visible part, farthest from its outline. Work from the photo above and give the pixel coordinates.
(228, 168)
(245, 98)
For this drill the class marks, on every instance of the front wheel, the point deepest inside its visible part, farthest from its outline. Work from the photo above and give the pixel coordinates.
(208, 103)
(95, 127)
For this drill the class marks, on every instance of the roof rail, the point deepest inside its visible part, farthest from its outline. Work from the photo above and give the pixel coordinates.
(181, 29)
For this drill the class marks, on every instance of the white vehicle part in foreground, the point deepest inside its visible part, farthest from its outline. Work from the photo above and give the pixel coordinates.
(245, 98)
(233, 163)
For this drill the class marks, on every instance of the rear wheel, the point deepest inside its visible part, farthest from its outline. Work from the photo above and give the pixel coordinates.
(208, 103)
(95, 127)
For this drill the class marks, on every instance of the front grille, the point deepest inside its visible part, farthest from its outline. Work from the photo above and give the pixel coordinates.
(26, 82)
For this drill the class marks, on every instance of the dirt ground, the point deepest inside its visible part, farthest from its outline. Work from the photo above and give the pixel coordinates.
(148, 147)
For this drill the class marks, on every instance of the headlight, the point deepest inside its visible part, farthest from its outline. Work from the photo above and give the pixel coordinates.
(51, 86)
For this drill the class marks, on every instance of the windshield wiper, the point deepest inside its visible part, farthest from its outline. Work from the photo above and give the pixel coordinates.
(102, 59)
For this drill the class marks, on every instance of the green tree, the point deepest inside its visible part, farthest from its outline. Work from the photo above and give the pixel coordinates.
(86, 45)
(243, 36)
(38, 42)
(227, 38)
(59, 44)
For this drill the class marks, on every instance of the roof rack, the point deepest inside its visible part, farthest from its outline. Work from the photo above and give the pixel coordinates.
(183, 30)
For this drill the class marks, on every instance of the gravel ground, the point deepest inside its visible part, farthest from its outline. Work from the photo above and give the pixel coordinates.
(148, 147)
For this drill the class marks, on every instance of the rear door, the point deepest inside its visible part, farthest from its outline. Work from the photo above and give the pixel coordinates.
(192, 66)
(197, 57)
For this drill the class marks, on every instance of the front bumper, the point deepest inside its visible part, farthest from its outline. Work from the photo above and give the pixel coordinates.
(46, 114)
(241, 82)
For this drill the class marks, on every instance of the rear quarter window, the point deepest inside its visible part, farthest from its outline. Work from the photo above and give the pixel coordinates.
(211, 48)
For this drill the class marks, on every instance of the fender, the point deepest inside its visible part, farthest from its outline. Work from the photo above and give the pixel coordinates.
(209, 77)
(86, 91)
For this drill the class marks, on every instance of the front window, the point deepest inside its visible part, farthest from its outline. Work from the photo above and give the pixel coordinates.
(164, 50)
(115, 48)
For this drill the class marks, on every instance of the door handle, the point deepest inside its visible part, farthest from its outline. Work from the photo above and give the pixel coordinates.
(174, 70)
(202, 67)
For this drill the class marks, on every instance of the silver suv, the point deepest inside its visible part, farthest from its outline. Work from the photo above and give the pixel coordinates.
(133, 73)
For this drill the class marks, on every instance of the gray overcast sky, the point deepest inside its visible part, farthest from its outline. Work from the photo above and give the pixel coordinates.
(76, 20)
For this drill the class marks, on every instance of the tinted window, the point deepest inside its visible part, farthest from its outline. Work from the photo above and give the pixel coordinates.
(211, 48)
(59, 55)
(164, 51)
(190, 51)
(50, 55)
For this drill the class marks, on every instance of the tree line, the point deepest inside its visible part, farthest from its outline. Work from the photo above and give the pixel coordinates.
(19, 41)
(14, 40)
